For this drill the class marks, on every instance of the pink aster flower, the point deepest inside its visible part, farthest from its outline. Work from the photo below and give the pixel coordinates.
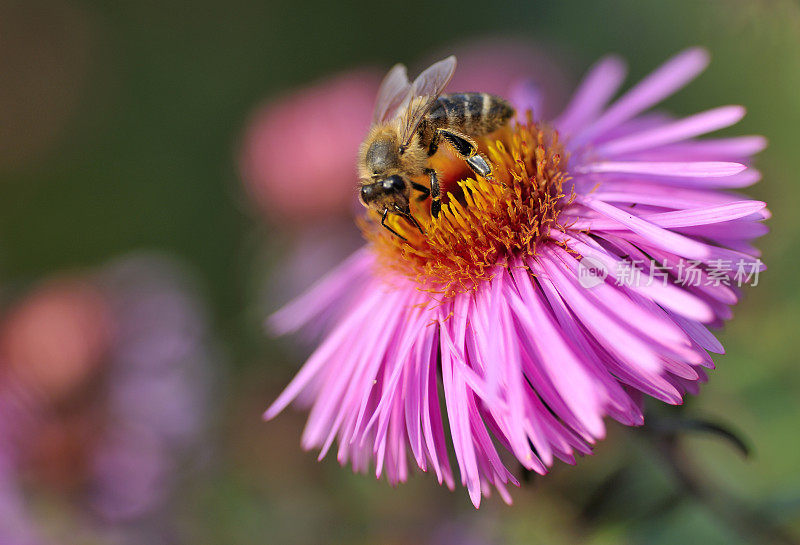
(541, 302)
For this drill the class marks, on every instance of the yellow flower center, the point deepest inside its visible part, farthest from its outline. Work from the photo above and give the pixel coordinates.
(483, 221)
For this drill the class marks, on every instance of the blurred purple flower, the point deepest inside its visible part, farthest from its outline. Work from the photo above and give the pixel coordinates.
(144, 406)
(489, 313)
(157, 387)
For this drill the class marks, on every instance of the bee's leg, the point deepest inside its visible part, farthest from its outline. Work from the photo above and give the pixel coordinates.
(468, 150)
(436, 196)
(462, 145)
(383, 222)
(480, 166)
(422, 189)
(434, 145)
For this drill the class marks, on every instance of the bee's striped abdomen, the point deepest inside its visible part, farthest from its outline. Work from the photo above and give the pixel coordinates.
(471, 114)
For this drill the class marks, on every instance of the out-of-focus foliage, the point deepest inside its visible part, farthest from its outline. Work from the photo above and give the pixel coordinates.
(121, 127)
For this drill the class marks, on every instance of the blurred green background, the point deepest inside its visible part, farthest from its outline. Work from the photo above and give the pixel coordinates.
(119, 125)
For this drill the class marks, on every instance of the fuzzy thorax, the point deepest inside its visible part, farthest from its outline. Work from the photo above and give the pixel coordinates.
(483, 222)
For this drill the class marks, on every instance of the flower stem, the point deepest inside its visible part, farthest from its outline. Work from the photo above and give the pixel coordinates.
(751, 524)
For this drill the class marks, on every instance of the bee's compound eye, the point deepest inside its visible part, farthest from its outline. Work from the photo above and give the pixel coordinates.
(367, 193)
(394, 183)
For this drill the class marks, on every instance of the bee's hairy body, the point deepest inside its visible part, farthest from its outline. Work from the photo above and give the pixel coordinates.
(456, 118)
(464, 114)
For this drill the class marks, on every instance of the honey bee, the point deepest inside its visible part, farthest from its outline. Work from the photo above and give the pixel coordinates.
(409, 123)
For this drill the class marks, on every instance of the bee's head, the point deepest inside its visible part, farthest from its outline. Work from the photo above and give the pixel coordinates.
(386, 192)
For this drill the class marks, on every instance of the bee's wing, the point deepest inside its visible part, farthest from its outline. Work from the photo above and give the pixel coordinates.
(394, 89)
(424, 92)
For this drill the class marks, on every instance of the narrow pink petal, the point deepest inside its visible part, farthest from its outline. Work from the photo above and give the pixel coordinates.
(458, 416)
(700, 334)
(654, 194)
(668, 296)
(516, 387)
(325, 293)
(586, 183)
(321, 356)
(709, 149)
(679, 218)
(689, 127)
(664, 81)
(368, 381)
(713, 253)
(337, 400)
(583, 337)
(597, 88)
(729, 231)
(628, 308)
(412, 323)
(565, 370)
(489, 458)
(432, 424)
(616, 337)
(698, 169)
(668, 240)
(412, 409)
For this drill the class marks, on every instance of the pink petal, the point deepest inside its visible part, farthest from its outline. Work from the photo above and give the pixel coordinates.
(668, 295)
(595, 91)
(675, 243)
(676, 131)
(679, 218)
(663, 82)
(710, 169)
(710, 149)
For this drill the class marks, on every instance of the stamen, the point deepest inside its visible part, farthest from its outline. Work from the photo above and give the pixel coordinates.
(483, 221)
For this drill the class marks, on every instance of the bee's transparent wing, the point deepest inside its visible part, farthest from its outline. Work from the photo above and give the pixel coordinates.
(424, 92)
(394, 89)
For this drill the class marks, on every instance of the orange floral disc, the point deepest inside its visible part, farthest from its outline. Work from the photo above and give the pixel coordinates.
(483, 220)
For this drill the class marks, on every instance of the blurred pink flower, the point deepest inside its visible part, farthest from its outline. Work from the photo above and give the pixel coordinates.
(56, 337)
(298, 153)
